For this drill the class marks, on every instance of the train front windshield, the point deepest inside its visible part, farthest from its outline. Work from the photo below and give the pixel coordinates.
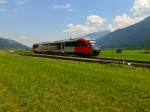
(93, 43)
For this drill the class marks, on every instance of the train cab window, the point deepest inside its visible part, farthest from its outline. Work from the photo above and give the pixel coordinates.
(92, 42)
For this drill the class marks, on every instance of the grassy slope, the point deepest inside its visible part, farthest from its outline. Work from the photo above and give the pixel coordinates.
(34, 84)
(127, 54)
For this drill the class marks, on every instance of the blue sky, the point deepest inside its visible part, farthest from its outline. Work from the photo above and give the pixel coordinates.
(30, 21)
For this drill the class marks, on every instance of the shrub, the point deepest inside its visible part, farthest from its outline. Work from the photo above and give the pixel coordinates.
(119, 51)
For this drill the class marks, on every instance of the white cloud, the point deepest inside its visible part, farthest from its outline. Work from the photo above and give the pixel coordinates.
(24, 40)
(95, 23)
(94, 20)
(21, 2)
(123, 21)
(141, 8)
(92, 24)
(79, 29)
(66, 7)
(139, 11)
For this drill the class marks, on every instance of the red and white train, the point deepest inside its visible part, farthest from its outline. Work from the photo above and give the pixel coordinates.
(79, 46)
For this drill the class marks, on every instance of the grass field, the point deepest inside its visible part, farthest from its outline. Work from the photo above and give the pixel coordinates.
(138, 55)
(46, 85)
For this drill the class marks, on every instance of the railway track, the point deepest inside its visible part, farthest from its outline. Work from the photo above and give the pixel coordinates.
(91, 60)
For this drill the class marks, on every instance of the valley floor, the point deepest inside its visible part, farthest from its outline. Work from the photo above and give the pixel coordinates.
(40, 85)
(138, 55)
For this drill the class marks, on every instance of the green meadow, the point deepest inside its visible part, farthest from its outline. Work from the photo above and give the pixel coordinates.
(139, 55)
(47, 85)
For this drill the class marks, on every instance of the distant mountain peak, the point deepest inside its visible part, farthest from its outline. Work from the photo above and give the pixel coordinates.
(147, 18)
(11, 44)
(136, 36)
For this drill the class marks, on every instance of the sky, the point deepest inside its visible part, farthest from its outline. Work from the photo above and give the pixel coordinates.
(32, 21)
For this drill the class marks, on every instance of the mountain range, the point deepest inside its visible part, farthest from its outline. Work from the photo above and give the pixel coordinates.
(136, 36)
(97, 35)
(11, 44)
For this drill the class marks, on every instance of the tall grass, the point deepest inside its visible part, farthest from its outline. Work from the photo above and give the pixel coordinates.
(39, 85)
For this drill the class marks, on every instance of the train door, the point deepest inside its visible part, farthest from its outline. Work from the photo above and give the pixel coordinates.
(62, 47)
(69, 47)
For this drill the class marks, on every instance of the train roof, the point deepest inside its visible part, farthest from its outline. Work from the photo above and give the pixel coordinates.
(65, 40)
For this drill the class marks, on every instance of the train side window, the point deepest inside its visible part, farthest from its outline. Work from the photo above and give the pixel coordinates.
(62, 45)
(81, 44)
(70, 44)
(45, 44)
(35, 46)
(59, 46)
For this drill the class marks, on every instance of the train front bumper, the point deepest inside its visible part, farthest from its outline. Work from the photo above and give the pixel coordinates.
(96, 52)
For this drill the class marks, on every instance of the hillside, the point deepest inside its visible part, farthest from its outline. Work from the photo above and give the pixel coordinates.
(9, 44)
(136, 36)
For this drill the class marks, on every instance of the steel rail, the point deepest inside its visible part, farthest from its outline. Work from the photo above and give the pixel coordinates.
(91, 60)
